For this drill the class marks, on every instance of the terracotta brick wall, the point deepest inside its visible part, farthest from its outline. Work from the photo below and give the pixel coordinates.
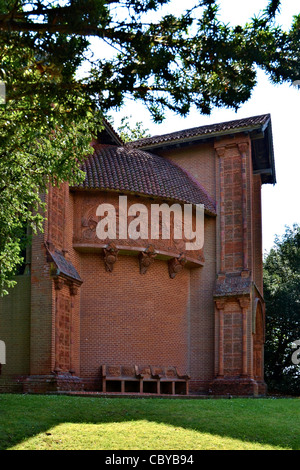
(202, 287)
(128, 318)
(200, 162)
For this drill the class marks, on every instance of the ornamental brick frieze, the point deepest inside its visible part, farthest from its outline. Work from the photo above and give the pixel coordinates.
(86, 227)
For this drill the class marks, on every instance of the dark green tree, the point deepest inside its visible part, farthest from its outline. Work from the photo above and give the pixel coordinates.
(282, 296)
(176, 62)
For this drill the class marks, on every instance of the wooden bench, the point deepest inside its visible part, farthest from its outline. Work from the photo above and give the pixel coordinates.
(144, 379)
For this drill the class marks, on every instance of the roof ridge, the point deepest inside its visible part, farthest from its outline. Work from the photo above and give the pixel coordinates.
(233, 123)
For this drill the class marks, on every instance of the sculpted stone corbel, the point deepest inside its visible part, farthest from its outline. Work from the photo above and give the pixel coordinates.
(176, 265)
(110, 256)
(58, 283)
(243, 147)
(220, 304)
(73, 288)
(220, 151)
(244, 302)
(146, 258)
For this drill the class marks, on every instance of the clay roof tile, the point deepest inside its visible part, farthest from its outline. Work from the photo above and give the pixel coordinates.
(135, 171)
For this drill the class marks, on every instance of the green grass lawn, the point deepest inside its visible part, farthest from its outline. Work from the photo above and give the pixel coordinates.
(69, 423)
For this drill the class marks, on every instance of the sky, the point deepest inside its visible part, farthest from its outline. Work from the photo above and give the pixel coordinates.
(280, 203)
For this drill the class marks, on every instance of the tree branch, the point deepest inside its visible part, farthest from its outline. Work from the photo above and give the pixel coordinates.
(110, 33)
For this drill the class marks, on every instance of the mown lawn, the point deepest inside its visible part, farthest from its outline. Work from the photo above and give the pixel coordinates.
(69, 423)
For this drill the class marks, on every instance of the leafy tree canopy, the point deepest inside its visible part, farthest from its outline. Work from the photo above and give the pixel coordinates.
(175, 62)
(282, 296)
(129, 132)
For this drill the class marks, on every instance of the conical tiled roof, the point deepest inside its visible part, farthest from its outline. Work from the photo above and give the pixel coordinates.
(135, 171)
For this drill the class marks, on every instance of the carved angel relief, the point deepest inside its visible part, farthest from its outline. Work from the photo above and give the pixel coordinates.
(89, 228)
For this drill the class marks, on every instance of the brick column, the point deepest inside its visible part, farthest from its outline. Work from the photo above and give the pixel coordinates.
(58, 283)
(244, 304)
(220, 305)
(243, 149)
(221, 153)
(73, 293)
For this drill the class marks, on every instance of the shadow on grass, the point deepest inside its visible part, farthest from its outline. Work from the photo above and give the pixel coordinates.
(272, 422)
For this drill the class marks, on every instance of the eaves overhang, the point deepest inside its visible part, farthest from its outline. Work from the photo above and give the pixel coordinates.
(259, 129)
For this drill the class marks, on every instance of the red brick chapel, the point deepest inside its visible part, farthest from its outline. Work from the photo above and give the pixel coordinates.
(148, 316)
